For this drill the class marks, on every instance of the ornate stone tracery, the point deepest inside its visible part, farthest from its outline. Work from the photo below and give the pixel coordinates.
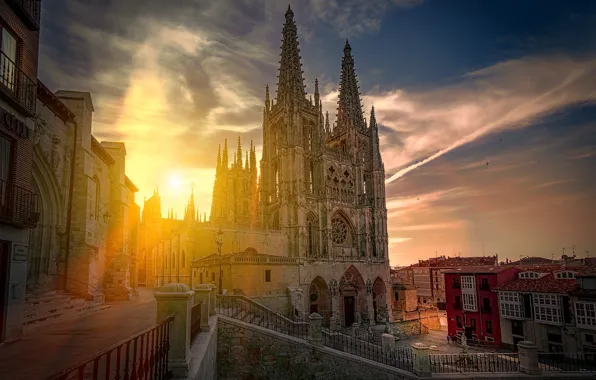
(339, 230)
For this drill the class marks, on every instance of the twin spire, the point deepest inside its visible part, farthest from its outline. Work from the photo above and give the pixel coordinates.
(290, 84)
(349, 110)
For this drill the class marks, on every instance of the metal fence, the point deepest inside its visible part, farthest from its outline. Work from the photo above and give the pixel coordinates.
(244, 309)
(400, 357)
(567, 362)
(489, 362)
(142, 356)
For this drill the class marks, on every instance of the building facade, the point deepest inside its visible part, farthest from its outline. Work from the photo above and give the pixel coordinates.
(472, 304)
(19, 47)
(537, 306)
(584, 305)
(320, 197)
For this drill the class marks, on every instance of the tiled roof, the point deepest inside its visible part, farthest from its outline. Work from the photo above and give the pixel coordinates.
(456, 261)
(589, 270)
(545, 284)
(479, 269)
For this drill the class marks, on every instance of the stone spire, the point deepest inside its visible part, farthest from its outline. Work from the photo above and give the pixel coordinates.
(239, 159)
(349, 112)
(327, 126)
(224, 159)
(290, 85)
(374, 140)
(218, 165)
(246, 161)
(317, 96)
(267, 100)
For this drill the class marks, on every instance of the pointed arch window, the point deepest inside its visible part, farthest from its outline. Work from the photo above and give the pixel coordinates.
(311, 230)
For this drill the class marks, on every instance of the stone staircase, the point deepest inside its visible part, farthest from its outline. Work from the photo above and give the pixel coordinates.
(54, 306)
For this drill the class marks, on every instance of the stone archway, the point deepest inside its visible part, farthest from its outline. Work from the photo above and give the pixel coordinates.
(352, 292)
(319, 300)
(379, 296)
(44, 242)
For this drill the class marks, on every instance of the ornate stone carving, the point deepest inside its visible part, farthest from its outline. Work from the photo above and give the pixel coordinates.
(55, 156)
(38, 131)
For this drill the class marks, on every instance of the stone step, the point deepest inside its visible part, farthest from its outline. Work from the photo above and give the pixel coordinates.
(79, 309)
(50, 308)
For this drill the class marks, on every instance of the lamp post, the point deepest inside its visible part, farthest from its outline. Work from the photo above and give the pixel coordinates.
(219, 243)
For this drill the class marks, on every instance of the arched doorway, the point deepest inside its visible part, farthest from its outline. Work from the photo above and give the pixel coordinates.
(318, 299)
(379, 293)
(352, 295)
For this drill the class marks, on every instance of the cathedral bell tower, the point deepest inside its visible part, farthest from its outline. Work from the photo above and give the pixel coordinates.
(292, 142)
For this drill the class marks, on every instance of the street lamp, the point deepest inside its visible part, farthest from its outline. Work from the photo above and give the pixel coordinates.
(219, 243)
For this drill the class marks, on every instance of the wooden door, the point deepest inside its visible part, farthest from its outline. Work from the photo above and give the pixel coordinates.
(349, 309)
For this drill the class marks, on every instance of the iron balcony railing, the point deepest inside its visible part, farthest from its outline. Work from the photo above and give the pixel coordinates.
(29, 11)
(142, 356)
(18, 206)
(17, 86)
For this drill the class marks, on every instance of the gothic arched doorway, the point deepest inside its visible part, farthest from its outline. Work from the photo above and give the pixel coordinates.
(318, 299)
(379, 293)
(352, 295)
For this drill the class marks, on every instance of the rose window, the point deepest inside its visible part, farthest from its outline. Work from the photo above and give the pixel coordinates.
(339, 231)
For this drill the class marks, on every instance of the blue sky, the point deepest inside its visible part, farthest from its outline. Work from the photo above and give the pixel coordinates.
(486, 107)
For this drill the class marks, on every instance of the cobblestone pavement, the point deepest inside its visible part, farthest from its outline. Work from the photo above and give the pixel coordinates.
(51, 348)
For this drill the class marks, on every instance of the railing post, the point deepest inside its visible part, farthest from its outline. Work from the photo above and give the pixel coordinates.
(315, 329)
(177, 299)
(202, 293)
(528, 357)
(355, 327)
(421, 359)
(212, 299)
(387, 343)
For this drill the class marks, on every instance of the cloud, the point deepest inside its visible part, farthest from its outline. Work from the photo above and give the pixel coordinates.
(508, 95)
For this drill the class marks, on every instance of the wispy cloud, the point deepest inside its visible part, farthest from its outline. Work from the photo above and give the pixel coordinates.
(508, 95)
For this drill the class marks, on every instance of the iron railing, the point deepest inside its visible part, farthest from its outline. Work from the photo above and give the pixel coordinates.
(19, 88)
(244, 309)
(567, 362)
(142, 356)
(29, 11)
(458, 363)
(18, 205)
(369, 348)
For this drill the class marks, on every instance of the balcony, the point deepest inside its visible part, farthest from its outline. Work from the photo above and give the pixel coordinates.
(29, 11)
(18, 206)
(17, 87)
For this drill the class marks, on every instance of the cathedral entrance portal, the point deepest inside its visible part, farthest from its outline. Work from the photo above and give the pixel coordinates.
(349, 309)
(353, 296)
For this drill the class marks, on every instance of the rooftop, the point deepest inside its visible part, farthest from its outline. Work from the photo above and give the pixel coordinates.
(546, 284)
(479, 269)
(443, 261)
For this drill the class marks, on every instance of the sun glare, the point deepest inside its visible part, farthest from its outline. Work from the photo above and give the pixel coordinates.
(175, 182)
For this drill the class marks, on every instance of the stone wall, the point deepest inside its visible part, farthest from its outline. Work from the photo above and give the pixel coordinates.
(251, 352)
(280, 303)
(203, 353)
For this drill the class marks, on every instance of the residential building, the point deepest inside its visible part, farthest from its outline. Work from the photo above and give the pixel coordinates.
(19, 50)
(429, 276)
(471, 301)
(536, 306)
(584, 307)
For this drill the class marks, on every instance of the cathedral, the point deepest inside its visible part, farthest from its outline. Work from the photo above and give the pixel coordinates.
(307, 232)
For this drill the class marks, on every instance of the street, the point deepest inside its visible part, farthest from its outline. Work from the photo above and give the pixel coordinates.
(49, 349)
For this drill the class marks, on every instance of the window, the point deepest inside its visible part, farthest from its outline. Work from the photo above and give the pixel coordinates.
(473, 324)
(457, 304)
(8, 61)
(201, 278)
(488, 327)
(548, 308)
(458, 321)
(468, 282)
(484, 284)
(529, 275)
(213, 276)
(511, 304)
(565, 275)
(268, 275)
(486, 305)
(469, 301)
(585, 314)
(396, 296)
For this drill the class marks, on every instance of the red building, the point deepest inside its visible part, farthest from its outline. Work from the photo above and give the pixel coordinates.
(472, 305)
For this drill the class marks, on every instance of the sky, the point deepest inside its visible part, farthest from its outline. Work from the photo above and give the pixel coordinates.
(487, 109)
